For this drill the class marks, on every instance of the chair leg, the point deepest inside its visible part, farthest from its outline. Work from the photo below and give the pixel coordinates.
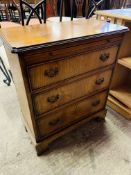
(6, 73)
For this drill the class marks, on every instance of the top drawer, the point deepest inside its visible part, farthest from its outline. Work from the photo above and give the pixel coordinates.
(55, 71)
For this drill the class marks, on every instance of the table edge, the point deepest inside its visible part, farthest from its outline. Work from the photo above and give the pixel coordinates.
(55, 43)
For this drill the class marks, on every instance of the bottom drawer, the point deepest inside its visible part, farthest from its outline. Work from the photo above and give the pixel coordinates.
(64, 117)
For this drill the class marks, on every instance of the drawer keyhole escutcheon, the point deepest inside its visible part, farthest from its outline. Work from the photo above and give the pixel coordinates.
(54, 122)
(52, 72)
(96, 103)
(53, 98)
(104, 57)
(99, 81)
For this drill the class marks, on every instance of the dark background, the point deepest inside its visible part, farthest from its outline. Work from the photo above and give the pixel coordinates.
(105, 5)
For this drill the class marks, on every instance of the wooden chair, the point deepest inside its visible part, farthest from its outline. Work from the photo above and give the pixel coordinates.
(4, 67)
(6, 24)
(3, 11)
(76, 11)
(117, 4)
(95, 5)
(6, 72)
(40, 6)
(14, 11)
(9, 10)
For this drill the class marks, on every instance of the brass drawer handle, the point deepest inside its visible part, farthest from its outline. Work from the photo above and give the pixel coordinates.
(54, 122)
(99, 81)
(53, 99)
(52, 72)
(96, 103)
(104, 57)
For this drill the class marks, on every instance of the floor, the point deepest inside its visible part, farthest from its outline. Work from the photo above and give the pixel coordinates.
(97, 148)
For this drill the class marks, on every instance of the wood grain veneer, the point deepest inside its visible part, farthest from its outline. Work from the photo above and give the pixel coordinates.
(62, 74)
(42, 75)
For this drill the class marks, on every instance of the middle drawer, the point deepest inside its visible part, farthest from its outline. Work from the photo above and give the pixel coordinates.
(55, 97)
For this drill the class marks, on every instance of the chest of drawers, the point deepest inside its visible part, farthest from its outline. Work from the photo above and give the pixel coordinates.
(62, 79)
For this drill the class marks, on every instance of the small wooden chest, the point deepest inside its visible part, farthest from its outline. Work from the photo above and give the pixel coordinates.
(62, 73)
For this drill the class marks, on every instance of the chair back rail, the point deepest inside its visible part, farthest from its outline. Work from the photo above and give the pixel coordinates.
(33, 10)
(8, 10)
(76, 8)
(79, 4)
(116, 4)
(79, 8)
(95, 4)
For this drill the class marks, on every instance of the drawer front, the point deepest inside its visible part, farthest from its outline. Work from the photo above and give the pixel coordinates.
(61, 95)
(53, 52)
(52, 72)
(70, 114)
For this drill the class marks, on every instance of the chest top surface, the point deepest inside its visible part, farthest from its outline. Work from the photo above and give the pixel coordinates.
(119, 13)
(19, 39)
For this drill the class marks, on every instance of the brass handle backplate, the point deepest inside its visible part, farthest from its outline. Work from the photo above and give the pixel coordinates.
(52, 72)
(54, 122)
(104, 57)
(53, 98)
(96, 103)
(99, 81)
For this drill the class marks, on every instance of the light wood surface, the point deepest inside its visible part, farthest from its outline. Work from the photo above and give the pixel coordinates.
(123, 94)
(119, 107)
(73, 98)
(120, 90)
(7, 24)
(125, 62)
(55, 32)
(120, 93)
(124, 14)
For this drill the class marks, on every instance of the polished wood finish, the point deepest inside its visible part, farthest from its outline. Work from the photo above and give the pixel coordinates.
(62, 78)
(64, 94)
(54, 71)
(53, 34)
(33, 10)
(120, 91)
(64, 117)
(71, 50)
